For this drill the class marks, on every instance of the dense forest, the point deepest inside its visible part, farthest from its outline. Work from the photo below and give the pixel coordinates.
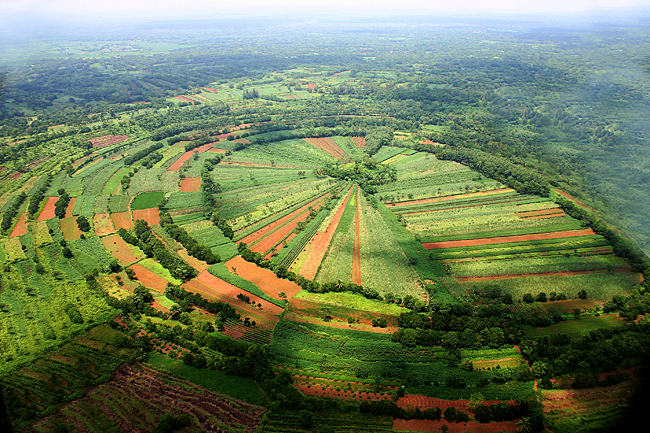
(353, 227)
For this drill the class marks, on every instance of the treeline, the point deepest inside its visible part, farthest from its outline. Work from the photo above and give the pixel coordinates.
(153, 247)
(141, 154)
(10, 214)
(37, 198)
(183, 297)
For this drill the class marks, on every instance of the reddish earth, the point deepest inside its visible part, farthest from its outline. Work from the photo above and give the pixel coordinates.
(122, 220)
(71, 204)
(320, 243)
(189, 184)
(505, 239)
(434, 143)
(205, 147)
(424, 402)
(225, 288)
(573, 199)
(180, 161)
(263, 278)
(330, 147)
(356, 248)
(306, 308)
(103, 224)
(183, 98)
(543, 274)
(359, 142)
(151, 215)
(197, 264)
(280, 246)
(21, 227)
(340, 324)
(425, 425)
(450, 197)
(217, 150)
(570, 304)
(342, 394)
(119, 249)
(261, 233)
(48, 210)
(107, 140)
(15, 176)
(148, 278)
(70, 229)
(264, 317)
(159, 307)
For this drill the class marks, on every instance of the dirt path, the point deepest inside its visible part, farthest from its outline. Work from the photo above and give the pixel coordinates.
(321, 242)
(505, 239)
(356, 249)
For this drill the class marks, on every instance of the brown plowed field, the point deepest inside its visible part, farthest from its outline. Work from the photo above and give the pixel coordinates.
(225, 288)
(356, 247)
(21, 227)
(179, 162)
(259, 234)
(103, 224)
(425, 425)
(217, 150)
(189, 184)
(122, 220)
(263, 278)
(197, 264)
(119, 249)
(264, 317)
(321, 242)
(339, 324)
(573, 199)
(70, 229)
(450, 197)
(107, 140)
(306, 308)
(359, 142)
(330, 147)
(505, 239)
(342, 394)
(48, 210)
(424, 402)
(68, 210)
(151, 215)
(544, 274)
(205, 147)
(148, 278)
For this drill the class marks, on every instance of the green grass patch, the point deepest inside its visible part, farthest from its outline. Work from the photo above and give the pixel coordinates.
(147, 200)
(351, 300)
(579, 326)
(238, 387)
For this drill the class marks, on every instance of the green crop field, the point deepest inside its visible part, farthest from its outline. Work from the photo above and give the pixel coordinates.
(147, 200)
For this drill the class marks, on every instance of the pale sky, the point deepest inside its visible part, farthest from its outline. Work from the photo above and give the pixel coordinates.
(211, 8)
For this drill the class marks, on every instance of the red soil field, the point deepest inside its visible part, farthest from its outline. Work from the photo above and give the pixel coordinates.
(330, 147)
(320, 243)
(280, 246)
(107, 140)
(103, 224)
(306, 308)
(189, 184)
(179, 162)
(435, 143)
(15, 176)
(183, 98)
(274, 225)
(151, 215)
(356, 248)
(148, 278)
(450, 197)
(544, 216)
(220, 286)
(217, 150)
(504, 239)
(264, 317)
(573, 199)
(68, 210)
(544, 274)
(425, 425)
(424, 402)
(70, 229)
(205, 147)
(119, 249)
(342, 394)
(263, 278)
(21, 227)
(122, 220)
(48, 210)
(197, 264)
(570, 304)
(340, 324)
(359, 142)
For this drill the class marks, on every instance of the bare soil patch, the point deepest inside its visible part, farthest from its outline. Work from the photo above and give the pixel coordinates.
(505, 239)
(48, 210)
(103, 224)
(21, 227)
(263, 278)
(108, 140)
(189, 184)
(122, 220)
(148, 278)
(180, 161)
(119, 249)
(151, 215)
(69, 228)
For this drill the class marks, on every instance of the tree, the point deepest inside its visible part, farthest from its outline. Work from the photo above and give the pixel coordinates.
(582, 294)
(482, 414)
(450, 414)
(524, 425)
(67, 253)
(83, 224)
(528, 298)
